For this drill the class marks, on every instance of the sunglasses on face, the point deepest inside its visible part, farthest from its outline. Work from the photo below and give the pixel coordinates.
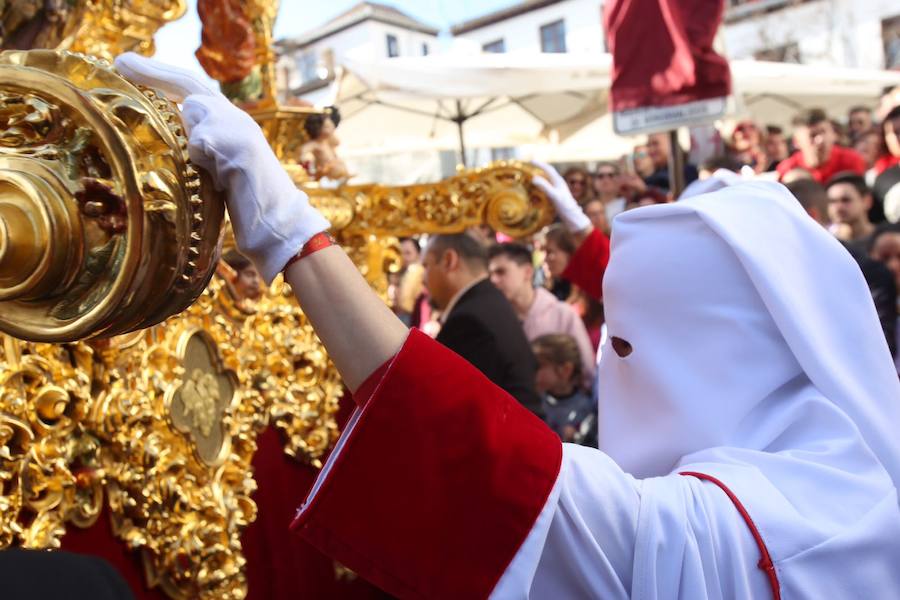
(575, 181)
(605, 175)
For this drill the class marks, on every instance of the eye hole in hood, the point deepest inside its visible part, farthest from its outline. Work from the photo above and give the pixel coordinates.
(621, 347)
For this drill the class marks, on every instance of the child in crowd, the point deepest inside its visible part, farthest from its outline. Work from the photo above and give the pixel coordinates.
(568, 409)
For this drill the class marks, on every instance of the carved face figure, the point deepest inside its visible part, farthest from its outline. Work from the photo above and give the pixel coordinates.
(248, 283)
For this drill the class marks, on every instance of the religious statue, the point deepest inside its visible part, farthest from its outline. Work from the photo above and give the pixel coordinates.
(228, 52)
(318, 155)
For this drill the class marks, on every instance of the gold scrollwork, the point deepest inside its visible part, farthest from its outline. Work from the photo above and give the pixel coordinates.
(50, 471)
(111, 27)
(280, 357)
(176, 417)
(500, 195)
(102, 28)
(177, 451)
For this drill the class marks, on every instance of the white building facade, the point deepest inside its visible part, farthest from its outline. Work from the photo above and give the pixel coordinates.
(849, 33)
(536, 26)
(307, 64)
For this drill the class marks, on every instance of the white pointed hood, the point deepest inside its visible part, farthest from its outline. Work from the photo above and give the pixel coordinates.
(729, 299)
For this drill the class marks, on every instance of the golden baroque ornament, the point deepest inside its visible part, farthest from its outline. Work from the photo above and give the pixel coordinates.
(50, 471)
(102, 28)
(293, 373)
(276, 347)
(177, 420)
(500, 195)
(179, 423)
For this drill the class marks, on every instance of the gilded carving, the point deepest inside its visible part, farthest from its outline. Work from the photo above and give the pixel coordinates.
(500, 195)
(49, 459)
(179, 439)
(102, 28)
(297, 381)
(207, 391)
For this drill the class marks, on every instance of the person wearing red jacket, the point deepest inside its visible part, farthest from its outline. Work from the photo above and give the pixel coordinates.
(818, 151)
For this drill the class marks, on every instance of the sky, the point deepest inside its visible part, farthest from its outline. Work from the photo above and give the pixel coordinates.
(176, 42)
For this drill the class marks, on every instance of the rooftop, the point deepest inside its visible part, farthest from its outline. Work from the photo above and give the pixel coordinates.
(364, 11)
(515, 10)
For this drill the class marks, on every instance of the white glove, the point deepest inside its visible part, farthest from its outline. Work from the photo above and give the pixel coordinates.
(272, 219)
(558, 191)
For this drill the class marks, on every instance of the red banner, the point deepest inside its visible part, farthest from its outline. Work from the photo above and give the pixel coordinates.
(663, 52)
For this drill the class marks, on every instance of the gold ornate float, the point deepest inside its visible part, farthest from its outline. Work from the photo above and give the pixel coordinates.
(108, 239)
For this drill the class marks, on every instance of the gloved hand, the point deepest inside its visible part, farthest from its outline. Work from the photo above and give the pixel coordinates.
(272, 219)
(558, 191)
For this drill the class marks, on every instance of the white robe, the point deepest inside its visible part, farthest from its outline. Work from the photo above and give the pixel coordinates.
(738, 370)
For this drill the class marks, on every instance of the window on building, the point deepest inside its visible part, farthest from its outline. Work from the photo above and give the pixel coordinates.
(497, 46)
(425, 49)
(393, 47)
(308, 64)
(890, 36)
(553, 37)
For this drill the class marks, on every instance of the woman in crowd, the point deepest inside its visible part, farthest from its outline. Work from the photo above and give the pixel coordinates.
(579, 182)
(890, 142)
(559, 245)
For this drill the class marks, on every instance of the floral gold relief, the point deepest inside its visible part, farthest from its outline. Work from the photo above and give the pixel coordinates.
(198, 405)
(50, 470)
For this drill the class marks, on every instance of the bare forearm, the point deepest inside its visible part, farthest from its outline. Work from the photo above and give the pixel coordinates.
(358, 330)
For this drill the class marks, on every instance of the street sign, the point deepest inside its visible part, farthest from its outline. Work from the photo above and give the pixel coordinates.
(650, 119)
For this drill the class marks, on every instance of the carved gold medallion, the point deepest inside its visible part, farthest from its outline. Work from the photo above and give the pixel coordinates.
(198, 406)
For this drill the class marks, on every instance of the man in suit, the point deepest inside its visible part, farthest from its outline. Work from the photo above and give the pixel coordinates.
(477, 321)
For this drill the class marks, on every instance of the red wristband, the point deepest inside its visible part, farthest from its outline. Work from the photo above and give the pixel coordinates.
(315, 243)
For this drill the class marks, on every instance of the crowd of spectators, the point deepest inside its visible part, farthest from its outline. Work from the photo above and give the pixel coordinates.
(510, 308)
